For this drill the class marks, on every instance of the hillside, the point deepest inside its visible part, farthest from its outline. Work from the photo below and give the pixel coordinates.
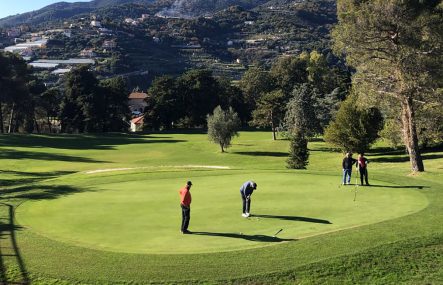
(146, 43)
(178, 8)
(194, 8)
(63, 10)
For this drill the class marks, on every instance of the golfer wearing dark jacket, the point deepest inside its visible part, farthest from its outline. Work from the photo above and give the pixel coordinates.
(362, 164)
(246, 191)
(347, 164)
(185, 204)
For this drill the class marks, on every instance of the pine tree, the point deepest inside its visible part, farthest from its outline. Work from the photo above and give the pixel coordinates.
(298, 152)
(301, 114)
(270, 110)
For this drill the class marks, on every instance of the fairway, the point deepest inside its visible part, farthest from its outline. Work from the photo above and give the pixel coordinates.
(142, 215)
(104, 209)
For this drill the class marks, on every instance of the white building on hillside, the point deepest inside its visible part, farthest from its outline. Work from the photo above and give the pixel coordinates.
(96, 24)
(29, 45)
(137, 124)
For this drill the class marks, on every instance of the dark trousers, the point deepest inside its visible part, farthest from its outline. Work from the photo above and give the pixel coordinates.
(246, 203)
(363, 175)
(186, 217)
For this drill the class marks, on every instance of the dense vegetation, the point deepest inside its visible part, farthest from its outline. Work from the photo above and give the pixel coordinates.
(83, 105)
(291, 93)
(396, 48)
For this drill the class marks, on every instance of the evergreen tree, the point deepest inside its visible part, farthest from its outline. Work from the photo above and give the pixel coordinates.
(232, 96)
(79, 109)
(200, 92)
(289, 71)
(93, 106)
(17, 103)
(223, 126)
(298, 152)
(165, 104)
(270, 110)
(301, 114)
(354, 129)
(254, 82)
(115, 110)
(49, 104)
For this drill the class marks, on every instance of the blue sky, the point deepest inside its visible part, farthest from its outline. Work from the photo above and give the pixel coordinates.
(12, 7)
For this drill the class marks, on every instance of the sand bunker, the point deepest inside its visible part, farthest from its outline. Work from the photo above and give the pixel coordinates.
(164, 166)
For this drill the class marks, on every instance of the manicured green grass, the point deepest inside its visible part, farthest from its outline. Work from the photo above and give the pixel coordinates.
(122, 226)
(146, 212)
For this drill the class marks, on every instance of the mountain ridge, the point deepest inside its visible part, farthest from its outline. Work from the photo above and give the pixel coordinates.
(61, 11)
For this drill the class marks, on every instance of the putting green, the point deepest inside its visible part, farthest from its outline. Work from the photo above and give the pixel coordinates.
(142, 214)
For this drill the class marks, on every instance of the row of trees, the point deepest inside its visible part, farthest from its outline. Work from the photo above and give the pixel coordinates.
(308, 77)
(260, 97)
(84, 104)
(298, 94)
(186, 100)
(19, 95)
(89, 105)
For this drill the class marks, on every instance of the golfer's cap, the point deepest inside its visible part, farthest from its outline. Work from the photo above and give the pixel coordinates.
(254, 185)
(189, 183)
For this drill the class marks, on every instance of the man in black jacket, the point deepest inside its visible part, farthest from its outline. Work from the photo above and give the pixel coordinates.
(347, 164)
(363, 168)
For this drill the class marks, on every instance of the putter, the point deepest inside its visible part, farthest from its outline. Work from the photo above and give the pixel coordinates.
(356, 187)
(279, 231)
(247, 204)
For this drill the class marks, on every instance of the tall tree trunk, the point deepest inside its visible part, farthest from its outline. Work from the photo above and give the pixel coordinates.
(37, 127)
(11, 119)
(2, 127)
(410, 136)
(274, 137)
(49, 124)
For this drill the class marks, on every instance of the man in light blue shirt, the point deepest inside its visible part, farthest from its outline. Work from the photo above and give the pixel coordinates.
(246, 191)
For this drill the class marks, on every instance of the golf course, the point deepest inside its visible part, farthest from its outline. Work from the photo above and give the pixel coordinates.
(104, 209)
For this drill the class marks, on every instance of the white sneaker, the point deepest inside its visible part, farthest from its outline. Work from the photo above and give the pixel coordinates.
(247, 214)
(244, 215)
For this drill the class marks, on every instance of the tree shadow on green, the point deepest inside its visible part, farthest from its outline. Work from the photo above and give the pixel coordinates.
(9, 249)
(258, 238)
(14, 154)
(293, 218)
(399, 187)
(404, 158)
(263, 153)
(39, 192)
(84, 141)
(29, 177)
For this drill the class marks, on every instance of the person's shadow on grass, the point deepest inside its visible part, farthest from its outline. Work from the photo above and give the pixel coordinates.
(292, 218)
(399, 186)
(259, 238)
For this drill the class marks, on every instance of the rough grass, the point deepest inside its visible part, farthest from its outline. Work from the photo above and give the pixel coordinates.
(405, 250)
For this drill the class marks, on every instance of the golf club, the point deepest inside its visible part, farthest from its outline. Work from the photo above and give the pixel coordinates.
(356, 177)
(356, 187)
(279, 231)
